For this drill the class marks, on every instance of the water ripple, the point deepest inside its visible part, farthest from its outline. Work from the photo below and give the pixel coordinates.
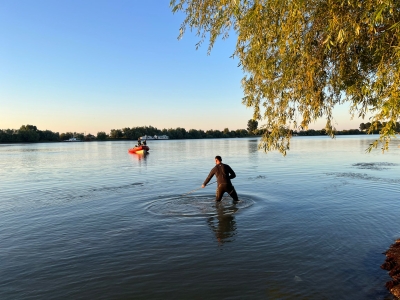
(379, 166)
(363, 176)
(56, 195)
(178, 205)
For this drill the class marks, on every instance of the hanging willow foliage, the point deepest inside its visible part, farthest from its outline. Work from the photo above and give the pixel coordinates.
(302, 58)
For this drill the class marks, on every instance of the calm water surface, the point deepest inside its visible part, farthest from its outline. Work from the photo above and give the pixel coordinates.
(90, 221)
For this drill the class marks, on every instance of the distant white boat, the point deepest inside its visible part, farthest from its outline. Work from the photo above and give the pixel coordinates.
(73, 139)
(147, 137)
(156, 137)
(162, 137)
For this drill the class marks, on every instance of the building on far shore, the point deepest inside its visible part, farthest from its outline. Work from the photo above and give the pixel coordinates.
(155, 137)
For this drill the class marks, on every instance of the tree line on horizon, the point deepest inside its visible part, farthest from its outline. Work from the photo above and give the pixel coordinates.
(31, 134)
(377, 126)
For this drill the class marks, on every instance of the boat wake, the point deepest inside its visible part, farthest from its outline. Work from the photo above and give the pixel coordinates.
(192, 206)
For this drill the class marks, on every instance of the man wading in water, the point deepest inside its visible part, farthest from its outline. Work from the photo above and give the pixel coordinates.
(224, 174)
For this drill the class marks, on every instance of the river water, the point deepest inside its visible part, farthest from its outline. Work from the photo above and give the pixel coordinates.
(91, 221)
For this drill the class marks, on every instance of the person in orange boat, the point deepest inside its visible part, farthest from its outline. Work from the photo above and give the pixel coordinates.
(224, 174)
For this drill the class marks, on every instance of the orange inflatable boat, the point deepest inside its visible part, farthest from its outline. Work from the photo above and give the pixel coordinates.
(139, 149)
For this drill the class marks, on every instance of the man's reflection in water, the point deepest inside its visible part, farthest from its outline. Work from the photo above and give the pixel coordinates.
(223, 224)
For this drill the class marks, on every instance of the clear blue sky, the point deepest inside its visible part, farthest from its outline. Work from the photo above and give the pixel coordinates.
(90, 66)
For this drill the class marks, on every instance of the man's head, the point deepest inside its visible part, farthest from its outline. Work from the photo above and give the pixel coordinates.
(218, 159)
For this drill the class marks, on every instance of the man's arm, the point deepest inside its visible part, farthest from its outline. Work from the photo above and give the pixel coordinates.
(208, 177)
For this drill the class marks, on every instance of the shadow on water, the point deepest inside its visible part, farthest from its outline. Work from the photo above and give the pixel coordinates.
(223, 223)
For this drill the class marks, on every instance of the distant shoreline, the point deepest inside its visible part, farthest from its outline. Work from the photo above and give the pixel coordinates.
(31, 134)
(134, 141)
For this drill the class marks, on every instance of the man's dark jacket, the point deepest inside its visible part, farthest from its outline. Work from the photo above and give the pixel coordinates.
(223, 172)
